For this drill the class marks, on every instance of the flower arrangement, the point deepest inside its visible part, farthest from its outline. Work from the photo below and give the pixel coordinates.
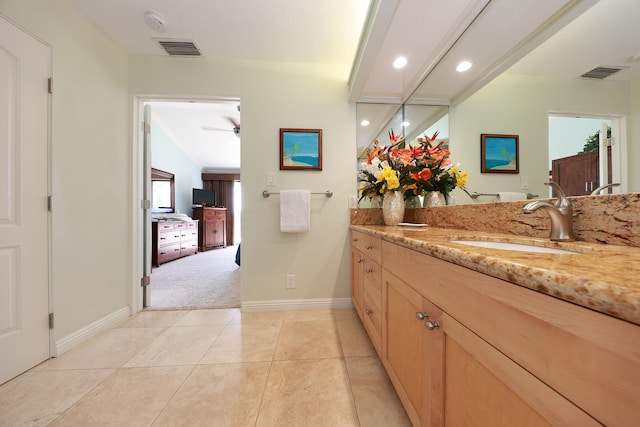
(413, 170)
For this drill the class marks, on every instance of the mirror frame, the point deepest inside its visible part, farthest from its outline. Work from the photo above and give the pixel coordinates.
(159, 175)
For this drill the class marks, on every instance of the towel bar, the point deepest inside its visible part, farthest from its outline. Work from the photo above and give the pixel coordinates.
(266, 193)
(475, 194)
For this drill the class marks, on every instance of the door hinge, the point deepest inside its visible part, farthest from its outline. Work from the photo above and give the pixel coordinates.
(50, 320)
(50, 203)
(50, 85)
(145, 204)
(145, 281)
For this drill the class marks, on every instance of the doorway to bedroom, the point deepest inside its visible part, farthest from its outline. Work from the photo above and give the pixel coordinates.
(195, 229)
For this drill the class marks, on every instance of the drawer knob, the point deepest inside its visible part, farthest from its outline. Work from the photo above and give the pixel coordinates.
(422, 316)
(360, 260)
(368, 247)
(432, 325)
(368, 311)
(369, 270)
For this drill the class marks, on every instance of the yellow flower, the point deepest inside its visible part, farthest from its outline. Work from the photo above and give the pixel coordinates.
(390, 177)
(461, 177)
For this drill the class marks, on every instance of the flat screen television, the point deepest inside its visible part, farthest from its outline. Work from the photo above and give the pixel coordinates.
(204, 197)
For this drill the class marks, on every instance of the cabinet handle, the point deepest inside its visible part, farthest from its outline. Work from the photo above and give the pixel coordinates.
(360, 260)
(368, 247)
(368, 270)
(354, 239)
(431, 325)
(422, 316)
(367, 311)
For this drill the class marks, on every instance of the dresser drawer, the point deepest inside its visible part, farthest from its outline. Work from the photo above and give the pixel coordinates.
(369, 245)
(169, 252)
(188, 248)
(168, 237)
(164, 225)
(189, 234)
(211, 215)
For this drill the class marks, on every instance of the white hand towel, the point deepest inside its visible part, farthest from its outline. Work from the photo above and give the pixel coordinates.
(295, 209)
(509, 196)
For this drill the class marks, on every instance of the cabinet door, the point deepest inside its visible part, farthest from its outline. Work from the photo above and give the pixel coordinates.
(357, 271)
(219, 233)
(404, 349)
(486, 388)
(372, 302)
(577, 175)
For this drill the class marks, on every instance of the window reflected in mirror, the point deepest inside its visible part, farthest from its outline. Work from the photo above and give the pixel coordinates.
(162, 191)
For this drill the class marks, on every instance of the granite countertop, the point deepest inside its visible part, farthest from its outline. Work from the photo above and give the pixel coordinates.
(605, 278)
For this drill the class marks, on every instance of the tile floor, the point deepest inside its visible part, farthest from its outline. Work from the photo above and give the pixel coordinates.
(212, 368)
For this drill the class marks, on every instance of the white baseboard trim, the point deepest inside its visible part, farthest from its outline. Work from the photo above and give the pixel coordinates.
(297, 304)
(71, 341)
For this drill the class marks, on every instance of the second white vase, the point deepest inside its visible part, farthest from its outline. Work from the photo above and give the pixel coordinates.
(434, 198)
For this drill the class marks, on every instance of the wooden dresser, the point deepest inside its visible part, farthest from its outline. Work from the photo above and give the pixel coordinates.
(173, 239)
(213, 228)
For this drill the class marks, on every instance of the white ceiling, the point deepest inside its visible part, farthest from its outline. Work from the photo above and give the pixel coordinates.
(433, 35)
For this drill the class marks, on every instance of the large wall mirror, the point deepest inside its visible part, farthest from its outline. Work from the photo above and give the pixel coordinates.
(162, 191)
(375, 121)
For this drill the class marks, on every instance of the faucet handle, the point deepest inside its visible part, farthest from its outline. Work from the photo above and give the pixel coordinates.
(563, 201)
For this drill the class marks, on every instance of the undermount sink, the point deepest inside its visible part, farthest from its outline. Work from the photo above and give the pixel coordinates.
(508, 246)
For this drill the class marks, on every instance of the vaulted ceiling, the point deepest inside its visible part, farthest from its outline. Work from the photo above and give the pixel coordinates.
(553, 37)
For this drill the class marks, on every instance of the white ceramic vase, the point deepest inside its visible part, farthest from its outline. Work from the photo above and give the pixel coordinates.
(376, 202)
(393, 207)
(434, 198)
(413, 202)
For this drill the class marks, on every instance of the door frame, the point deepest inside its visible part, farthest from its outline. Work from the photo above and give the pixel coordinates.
(618, 147)
(138, 183)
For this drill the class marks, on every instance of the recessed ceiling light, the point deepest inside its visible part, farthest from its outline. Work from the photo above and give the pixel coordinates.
(405, 124)
(400, 62)
(365, 122)
(463, 66)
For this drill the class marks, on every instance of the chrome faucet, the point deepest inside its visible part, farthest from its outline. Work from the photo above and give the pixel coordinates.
(561, 214)
(602, 187)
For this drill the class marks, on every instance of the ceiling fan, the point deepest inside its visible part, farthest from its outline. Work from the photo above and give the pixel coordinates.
(235, 129)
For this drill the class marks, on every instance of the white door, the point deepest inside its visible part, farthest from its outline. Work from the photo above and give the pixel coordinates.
(24, 252)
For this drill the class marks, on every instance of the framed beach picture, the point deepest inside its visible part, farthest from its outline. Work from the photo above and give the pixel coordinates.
(301, 149)
(498, 153)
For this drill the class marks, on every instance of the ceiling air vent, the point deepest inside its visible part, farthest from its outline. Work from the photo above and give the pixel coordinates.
(176, 47)
(602, 72)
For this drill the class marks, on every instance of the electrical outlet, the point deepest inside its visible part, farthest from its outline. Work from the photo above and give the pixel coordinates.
(291, 281)
(524, 182)
(271, 179)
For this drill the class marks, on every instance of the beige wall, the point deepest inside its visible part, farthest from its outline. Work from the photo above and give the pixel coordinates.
(518, 104)
(275, 96)
(90, 176)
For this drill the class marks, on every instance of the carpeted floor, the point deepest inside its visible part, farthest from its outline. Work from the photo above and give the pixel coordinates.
(208, 279)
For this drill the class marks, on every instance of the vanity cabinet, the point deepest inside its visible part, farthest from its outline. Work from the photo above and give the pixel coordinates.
(465, 348)
(366, 292)
(213, 226)
(172, 240)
